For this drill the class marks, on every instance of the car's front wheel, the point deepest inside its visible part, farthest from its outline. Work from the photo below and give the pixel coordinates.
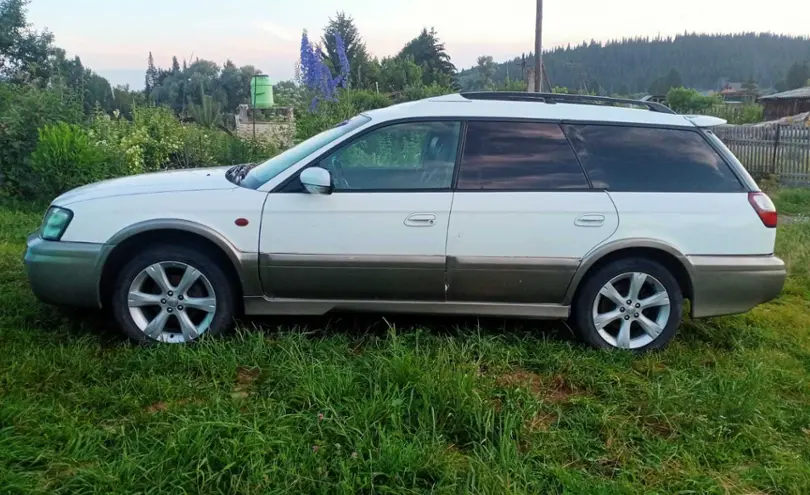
(632, 303)
(172, 294)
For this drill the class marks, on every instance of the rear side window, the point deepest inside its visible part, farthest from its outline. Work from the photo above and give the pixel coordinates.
(640, 159)
(518, 156)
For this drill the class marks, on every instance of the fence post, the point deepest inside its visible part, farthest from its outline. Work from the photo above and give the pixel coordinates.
(775, 149)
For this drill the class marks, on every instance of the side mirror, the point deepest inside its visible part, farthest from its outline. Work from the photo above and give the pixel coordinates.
(316, 180)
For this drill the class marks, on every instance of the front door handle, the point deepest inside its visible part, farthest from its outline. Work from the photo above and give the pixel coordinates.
(590, 220)
(420, 220)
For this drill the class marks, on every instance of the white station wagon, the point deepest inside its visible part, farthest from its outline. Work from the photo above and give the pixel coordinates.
(500, 204)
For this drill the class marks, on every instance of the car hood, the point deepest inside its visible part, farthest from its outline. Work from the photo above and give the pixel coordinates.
(198, 179)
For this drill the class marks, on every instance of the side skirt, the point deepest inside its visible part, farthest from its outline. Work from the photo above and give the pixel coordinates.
(264, 306)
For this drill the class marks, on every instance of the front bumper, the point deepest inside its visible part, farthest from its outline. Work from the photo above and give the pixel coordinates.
(724, 285)
(64, 273)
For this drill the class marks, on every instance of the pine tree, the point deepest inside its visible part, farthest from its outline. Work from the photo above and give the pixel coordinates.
(151, 74)
(429, 53)
(703, 61)
(355, 49)
(175, 65)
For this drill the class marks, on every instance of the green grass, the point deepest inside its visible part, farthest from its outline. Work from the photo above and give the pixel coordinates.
(793, 201)
(405, 405)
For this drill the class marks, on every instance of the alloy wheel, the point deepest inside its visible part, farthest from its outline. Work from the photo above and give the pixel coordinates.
(172, 302)
(631, 310)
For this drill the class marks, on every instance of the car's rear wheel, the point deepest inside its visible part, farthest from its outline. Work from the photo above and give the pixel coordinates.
(172, 294)
(632, 303)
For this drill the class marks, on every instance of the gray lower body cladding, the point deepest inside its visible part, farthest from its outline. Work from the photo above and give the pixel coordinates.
(69, 274)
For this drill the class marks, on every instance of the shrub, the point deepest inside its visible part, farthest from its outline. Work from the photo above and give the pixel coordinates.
(328, 114)
(158, 133)
(209, 147)
(67, 157)
(23, 110)
(238, 150)
(148, 143)
(364, 100)
(412, 93)
(684, 100)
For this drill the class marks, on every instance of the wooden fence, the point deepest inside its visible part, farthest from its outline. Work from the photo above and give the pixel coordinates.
(778, 150)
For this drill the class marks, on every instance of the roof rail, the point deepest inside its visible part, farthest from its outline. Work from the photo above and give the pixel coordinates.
(564, 98)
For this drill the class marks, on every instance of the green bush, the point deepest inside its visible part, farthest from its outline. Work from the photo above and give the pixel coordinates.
(67, 157)
(327, 114)
(23, 110)
(364, 100)
(210, 147)
(158, 133)
(685, 100)
(148, 143)
(420, 92)
(237, 150)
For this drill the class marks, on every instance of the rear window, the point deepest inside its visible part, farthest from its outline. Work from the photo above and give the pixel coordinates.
(641, 159)
(518, 156)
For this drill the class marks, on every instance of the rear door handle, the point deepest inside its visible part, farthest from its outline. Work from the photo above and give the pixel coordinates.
(420, 220)
(590, 220)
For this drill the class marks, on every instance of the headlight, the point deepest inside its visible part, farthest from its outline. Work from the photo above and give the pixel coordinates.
(55, 223)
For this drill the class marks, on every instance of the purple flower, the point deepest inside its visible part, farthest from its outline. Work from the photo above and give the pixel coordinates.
(343, 77)
(315, 74)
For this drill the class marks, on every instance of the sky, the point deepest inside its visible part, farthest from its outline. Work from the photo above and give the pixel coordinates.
(114, 37)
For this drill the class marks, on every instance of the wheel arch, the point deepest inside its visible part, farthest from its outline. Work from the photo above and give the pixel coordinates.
(662, 252)
(241, 267)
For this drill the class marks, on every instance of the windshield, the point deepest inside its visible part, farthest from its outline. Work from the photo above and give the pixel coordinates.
(281, 162)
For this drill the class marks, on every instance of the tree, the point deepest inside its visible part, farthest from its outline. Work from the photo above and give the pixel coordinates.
(23, 51)
(397, 73)
(429, 53)
(208, 113)
(662, 85)
(151, 79)
(673, 79)
(355, 49)
(175, 65)
(797, 76)
(486, 72)
(703, 61)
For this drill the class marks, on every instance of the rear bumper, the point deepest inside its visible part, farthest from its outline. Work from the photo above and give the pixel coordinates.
(723, 285)
(64, 273)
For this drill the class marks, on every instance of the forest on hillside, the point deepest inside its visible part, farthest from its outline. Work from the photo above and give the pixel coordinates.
(632, 65)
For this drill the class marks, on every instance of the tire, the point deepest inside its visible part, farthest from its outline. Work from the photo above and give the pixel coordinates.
(651, 327)
(184, 316)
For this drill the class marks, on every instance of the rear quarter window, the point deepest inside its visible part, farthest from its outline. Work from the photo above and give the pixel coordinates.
(642, 159)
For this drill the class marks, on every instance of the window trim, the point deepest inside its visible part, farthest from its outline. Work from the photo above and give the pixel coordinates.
(744, 186)
(368, 130)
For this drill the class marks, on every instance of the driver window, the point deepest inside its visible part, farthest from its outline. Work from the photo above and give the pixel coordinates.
(406, 156)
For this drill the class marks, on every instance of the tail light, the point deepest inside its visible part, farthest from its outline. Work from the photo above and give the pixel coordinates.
(764, 207)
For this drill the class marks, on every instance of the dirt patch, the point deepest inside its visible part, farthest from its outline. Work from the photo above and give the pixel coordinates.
(659, 428)
(157, 407)
(540, 422)
(161, 406)
(245, 378)
(553, 388)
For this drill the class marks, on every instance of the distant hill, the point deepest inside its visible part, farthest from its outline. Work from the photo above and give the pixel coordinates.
(631, 65)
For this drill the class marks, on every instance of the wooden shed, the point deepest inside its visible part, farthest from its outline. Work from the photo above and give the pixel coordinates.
(785, 104)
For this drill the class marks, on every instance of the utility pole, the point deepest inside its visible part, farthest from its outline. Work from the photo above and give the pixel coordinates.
(538, 49)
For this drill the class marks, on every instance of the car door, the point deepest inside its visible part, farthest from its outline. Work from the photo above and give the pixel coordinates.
(381, 234)
(523, 215)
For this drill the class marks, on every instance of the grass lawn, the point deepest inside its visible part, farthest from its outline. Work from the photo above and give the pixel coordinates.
(373, 405)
